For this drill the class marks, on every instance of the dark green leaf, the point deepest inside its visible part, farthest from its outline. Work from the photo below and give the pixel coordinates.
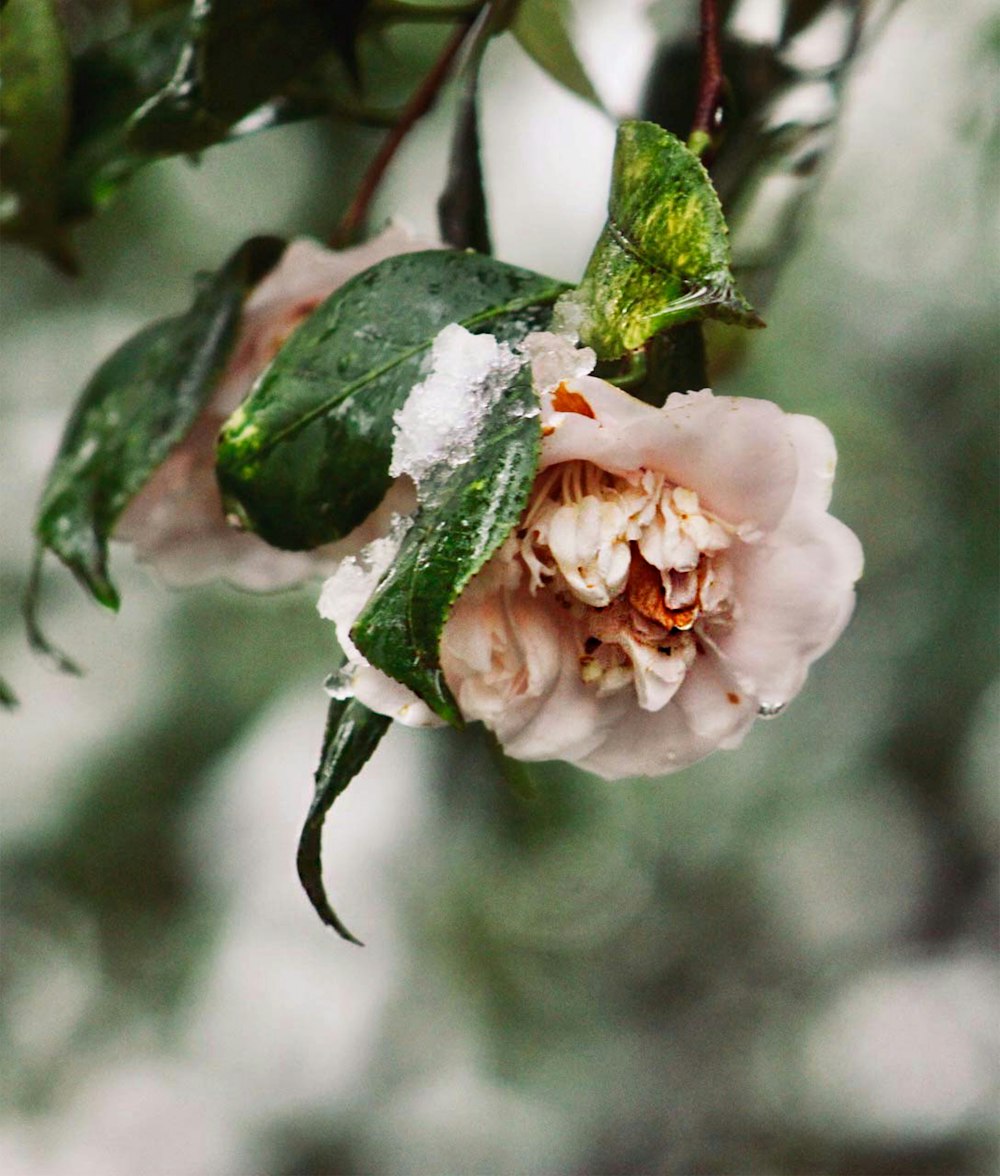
(111, 81)
(663, 257)
(34, 121)
(238, 55)
(306, 458)
(466, 512)
(8, 699)
(139, 404)
(542, 30)
(672, 361)
(462, 212)
(352, 734)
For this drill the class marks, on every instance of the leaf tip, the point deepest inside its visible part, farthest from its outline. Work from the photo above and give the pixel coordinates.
(310, 873)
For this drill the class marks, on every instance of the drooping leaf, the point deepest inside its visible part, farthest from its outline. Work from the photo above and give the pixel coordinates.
(138, 405)
(34, 121)
(466, 511)
(542, 28)
(462, 213)
(352, 734)
(663, 257)
(238, 54)
(306, 458)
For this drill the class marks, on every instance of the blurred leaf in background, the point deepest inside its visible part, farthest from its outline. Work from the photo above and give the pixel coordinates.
(781, 961)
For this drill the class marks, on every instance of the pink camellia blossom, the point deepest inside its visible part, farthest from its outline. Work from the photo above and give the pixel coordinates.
(176, 522)
(673, 576)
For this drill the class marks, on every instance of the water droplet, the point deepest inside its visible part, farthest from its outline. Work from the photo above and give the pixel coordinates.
(770, 710)
(340, 684)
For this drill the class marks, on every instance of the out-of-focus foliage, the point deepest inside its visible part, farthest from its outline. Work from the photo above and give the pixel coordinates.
(785, 69)
(95, 91)
(34, 117)
(542, 29)
(781, 961)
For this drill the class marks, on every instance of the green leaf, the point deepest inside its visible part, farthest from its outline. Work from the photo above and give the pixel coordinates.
(466, 512)
(111, 81)
(139, 404)
(238, 55)
(463, 216)
(8, 699)
(542, 30)
(663, 257)
(306, 457)
(34, 122)
(352, 734)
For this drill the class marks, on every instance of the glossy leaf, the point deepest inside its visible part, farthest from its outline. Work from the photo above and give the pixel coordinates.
(352, 734)
(466, 512)
(111, 80)
(663, 257)
(306, 458)
(139, 404)
(34, 122)
(238, 55)
(463, 217)
(462, 212)
(542, 28)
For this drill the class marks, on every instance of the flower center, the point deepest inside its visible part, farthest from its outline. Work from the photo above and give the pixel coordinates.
(638, 565)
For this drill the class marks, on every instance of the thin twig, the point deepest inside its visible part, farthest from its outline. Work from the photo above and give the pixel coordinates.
(419, 104)
(710, 83)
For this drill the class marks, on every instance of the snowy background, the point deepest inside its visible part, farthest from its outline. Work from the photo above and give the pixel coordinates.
(781, 961)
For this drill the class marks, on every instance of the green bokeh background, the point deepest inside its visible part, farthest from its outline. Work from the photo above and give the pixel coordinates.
(780, 961)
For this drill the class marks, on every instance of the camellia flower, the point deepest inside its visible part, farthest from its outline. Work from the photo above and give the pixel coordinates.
(176, 522)
(673, 576)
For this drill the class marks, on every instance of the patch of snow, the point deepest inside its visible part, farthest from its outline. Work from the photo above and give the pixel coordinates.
(347, 591)
(556, 357)
(443, 415)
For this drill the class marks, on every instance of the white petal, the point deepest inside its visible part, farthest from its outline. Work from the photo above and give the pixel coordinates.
(795, 597)
(386, 696)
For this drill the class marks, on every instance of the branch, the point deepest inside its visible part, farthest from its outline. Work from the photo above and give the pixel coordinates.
(711, 84)
(419, 104)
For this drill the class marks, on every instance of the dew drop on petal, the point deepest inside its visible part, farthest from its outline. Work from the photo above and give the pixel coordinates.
(770, 710)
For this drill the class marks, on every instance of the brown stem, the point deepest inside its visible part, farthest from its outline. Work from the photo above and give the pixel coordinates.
(710, 82)
(419, 104)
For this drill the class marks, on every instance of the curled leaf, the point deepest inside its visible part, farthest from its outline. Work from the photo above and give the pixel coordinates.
(663, 257)
(352, 734)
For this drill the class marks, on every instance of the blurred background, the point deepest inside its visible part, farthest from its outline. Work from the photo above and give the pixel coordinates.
(783, 960)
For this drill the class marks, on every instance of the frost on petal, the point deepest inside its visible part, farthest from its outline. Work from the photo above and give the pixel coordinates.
(443, 414)
(176, 522)
(342, 599)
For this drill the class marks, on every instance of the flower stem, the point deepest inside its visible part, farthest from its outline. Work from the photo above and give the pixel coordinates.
(711, 82)
(352, 222)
